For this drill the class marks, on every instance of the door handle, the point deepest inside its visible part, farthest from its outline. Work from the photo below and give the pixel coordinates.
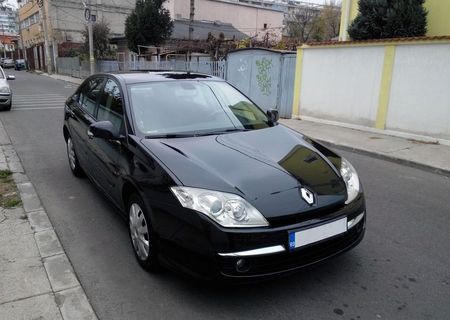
(90, 134)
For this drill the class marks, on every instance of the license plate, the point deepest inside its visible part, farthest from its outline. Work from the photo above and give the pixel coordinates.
(302, 238)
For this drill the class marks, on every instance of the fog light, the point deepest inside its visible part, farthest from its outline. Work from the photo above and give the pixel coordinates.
(242, 265)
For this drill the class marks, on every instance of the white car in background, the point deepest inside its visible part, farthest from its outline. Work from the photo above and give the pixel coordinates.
(5, 91)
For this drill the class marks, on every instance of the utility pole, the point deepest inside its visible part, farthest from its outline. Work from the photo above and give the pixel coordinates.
(48, 59)
(3, 41)
(90, 19)
(191, 27)
(24, 55)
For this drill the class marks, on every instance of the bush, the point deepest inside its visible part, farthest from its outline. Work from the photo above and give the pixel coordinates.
(381, 19)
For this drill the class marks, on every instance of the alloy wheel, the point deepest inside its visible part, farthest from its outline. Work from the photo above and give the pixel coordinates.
(139, 232)
(71, 154)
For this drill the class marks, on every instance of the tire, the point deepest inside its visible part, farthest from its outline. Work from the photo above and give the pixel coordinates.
(142, 236)
(74, 165)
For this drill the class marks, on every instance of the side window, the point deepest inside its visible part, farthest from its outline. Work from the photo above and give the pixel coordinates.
(110, 107)
(89, 94)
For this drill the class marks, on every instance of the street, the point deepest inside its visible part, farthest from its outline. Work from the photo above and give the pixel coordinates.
(401, 270)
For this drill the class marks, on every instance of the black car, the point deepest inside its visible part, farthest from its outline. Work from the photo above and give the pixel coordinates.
(210, 184)
(20, 64)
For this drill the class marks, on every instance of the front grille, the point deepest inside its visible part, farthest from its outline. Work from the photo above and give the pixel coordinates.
(291, 260)
(320, 213)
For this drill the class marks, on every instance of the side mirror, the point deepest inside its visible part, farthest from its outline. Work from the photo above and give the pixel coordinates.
(103, 130)
(11, 77)
(273, 115)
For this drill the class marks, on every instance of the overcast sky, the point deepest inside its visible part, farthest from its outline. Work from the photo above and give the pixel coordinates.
(13, 2)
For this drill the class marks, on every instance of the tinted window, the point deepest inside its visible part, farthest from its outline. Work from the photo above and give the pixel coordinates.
(110, 106)
(89, 94)
(249, 115)
(192, 106)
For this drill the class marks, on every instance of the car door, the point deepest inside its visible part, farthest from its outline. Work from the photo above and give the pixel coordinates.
(84, 110)
(107, 153)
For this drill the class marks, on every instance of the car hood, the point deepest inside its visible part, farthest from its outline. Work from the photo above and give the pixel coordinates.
(268, 167)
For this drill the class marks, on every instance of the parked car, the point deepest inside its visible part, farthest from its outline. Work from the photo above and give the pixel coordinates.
(20, 64)
(5, 91)
(8, 63)
(210, 184)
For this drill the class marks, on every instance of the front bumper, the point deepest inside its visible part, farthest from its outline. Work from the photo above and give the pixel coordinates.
(209, 251)
(286, 261)
(5, 99)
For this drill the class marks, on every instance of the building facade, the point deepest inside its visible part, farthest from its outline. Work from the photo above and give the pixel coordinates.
(255, 20)
(438, 17)
(65, 22)
(8, 31)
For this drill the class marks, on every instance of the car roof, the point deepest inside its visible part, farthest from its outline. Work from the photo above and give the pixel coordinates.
(150, 76)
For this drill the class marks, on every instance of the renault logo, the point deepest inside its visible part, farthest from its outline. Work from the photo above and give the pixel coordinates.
(308, 196)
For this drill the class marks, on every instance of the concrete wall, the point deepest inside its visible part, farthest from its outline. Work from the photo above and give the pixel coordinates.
(420, 90)
(438, 17)
(246, 18)
(399, 86)
(324, 90)
(265, 76)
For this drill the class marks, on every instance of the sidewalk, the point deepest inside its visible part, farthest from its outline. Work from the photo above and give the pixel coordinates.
(37, 280)
(424, 155)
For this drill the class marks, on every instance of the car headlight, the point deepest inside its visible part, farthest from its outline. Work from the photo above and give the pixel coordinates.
(5, 90)
(228, 210)
(351, 180)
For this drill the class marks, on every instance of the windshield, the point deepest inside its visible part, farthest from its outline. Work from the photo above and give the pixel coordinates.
(192, 107)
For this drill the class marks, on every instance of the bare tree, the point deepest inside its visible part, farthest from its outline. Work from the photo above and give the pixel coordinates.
(301, 22)
(313, 22)
(331, 15)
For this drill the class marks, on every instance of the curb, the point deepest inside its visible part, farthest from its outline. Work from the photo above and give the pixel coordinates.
(68, 295)
(380, 156)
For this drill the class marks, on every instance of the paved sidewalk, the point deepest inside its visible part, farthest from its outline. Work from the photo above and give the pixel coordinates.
(425, 155)
(37, 280)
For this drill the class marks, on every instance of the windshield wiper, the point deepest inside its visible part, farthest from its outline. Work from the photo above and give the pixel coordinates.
(194, 134)
(222, 131)
(170, 136)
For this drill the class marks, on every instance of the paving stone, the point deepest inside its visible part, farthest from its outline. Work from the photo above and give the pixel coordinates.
(15, 214)
(20, 177)
(2, 156)
(48, 243)
(74, 305)
(60, 273)
(39, 221)
(10, 228)
(22, 279)
(4, 138)
(30, 199)
(18, 246)
(4, 166)
(10, 153)
(41, 307)
(16, 166)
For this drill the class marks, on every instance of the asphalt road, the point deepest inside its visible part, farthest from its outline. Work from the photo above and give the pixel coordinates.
(401, 270)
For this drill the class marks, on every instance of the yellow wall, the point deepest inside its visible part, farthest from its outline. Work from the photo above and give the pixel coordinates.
(438, 16)
(32, 34)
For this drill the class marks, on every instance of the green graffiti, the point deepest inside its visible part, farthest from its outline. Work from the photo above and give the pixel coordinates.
(263, 77)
